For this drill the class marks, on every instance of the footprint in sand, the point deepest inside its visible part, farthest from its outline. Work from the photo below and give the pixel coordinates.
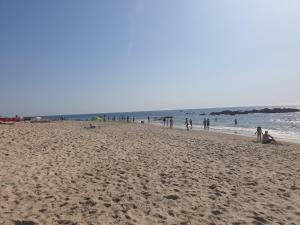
(25, 222)
(258, 220)
(66, 222)
(172, 197)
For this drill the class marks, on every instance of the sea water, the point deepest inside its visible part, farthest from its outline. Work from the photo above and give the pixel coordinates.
(285, 126)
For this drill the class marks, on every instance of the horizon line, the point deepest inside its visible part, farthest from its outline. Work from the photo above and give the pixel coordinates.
(156, 110)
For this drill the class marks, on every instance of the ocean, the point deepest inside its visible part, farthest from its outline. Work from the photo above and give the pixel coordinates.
(284, 126)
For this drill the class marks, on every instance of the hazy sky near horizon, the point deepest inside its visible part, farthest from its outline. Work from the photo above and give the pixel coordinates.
(87, 56)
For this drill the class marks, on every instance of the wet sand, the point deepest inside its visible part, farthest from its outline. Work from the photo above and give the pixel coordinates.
(119, 173)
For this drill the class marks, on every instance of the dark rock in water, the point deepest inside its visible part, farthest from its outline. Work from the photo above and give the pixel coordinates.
(202, 114)
(265, 110)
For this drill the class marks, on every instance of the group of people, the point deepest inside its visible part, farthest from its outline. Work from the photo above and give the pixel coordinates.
(119, 118)
(264, 138)
(168, 122)
(206, 124)
(188, 124)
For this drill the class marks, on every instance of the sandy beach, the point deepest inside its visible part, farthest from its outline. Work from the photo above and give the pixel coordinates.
(119, 173)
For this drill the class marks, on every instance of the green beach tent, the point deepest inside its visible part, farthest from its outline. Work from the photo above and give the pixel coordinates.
(97, 118)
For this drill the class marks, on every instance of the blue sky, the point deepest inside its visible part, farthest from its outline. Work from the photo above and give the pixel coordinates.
(71, 56)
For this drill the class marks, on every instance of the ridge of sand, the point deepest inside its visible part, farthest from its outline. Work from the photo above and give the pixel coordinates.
(119, 173)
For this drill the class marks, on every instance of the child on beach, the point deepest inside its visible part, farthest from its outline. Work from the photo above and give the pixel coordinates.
(258, 133)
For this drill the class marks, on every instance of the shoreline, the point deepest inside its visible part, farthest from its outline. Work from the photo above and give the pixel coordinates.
(220, 131)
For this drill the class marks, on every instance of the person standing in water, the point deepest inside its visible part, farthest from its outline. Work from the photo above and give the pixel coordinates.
(148, 119)
(207, 124)
(164, 120)
(235, 122)
(133, 119)
(191, 123)
(186, 123)
(204, 123)
(171, 123)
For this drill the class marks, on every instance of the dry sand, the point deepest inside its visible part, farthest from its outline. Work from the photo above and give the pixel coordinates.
(118, 173)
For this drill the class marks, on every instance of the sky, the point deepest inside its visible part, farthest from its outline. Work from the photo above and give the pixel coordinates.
(89, 56)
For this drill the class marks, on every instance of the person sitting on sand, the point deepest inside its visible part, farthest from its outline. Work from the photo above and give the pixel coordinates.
(268, 139)
(92, 126)
(258, 133)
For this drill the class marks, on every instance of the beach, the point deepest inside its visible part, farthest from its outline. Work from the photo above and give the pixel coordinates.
(132, 173)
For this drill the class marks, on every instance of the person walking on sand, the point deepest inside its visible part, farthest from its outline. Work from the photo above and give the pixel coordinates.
(207, 124)
(164, 120)
(258, 133)
(148, 119)
(268, 139)
(191, 123)
(186, 123)
(133, 119)
(167, 123)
